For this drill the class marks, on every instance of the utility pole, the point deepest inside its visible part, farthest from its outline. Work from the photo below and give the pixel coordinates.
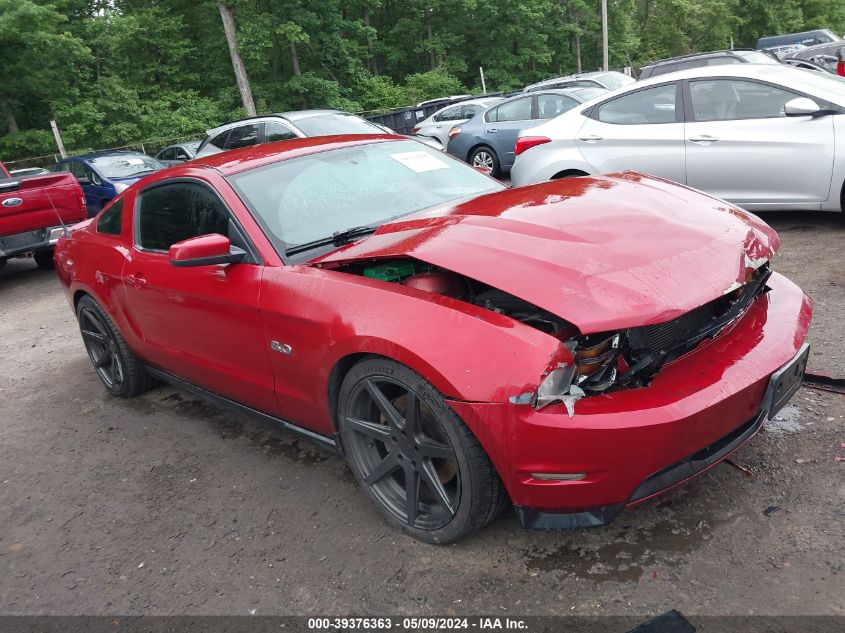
(228, 16)
(483, 83)
(604, 33)
(58, 138)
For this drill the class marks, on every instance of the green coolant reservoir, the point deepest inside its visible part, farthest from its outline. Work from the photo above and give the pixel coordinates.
(394, 272)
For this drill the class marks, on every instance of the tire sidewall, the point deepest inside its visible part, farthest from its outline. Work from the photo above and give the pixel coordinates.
(89, 304)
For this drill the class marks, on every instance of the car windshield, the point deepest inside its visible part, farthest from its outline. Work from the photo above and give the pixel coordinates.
(756, 57)
(125, 165)
(301, 200)
(334, 123)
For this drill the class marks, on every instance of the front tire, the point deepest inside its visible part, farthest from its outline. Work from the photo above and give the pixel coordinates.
(486, 157)
(413, 456)
(120, 371)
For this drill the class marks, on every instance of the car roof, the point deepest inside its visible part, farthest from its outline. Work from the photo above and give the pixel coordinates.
(103, 154)
(292, 116)
(246, 158)
(721, 53)
(593, 74)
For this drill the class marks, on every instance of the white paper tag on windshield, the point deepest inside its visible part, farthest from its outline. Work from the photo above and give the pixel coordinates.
(134, 161)
(420, 161)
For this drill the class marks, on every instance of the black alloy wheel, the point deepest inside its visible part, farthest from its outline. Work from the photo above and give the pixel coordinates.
(118, 368)
(412, 454)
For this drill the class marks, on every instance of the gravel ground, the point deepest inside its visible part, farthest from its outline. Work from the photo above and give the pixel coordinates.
(167, 505)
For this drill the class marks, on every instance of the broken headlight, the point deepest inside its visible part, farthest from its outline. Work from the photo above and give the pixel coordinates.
(596, 360)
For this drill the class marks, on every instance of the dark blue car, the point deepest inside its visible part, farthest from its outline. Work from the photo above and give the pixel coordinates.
(487, 139)
(103, 175)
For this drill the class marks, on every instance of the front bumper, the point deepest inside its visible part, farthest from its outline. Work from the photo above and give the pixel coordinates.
(39, 239)
(624, 447)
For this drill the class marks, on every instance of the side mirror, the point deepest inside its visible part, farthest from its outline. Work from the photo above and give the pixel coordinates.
(802, 106)
(205, 250)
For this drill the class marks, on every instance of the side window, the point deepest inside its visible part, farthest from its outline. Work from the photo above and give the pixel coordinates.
(586, 83)
(727, 99)
(243, 136)
(177, 211)
(449, 114)
(78, 169)
(110, 221)
(166, 154)
(550, 106)
(517, 110)
(275, 131)
(219, 141)
(62, 167)
(643, 107)
(469, 111)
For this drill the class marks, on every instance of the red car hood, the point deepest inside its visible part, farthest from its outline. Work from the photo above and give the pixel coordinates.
(603, 253)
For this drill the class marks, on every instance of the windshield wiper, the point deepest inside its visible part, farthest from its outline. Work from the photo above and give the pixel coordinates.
(338, 238)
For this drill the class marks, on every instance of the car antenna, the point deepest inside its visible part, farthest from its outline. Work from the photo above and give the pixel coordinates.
(58, 216)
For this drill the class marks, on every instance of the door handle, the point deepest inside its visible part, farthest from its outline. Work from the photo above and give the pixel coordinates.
(704, 138)
(137, 280)
(492, 130)
(591, 138)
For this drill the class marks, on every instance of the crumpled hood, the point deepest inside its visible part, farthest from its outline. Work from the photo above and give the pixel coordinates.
(603, 253)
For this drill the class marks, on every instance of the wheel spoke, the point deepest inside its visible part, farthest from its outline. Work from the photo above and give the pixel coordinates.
(384, 468)
(95, 322)
(384, 405)
(433, 449)
(429, 475)
(115, 367)
(104, 360)
(376, 431)
(412, 414)
(94, 337)
(412, 494)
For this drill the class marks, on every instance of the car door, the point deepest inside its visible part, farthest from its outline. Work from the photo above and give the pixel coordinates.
(96, 193)
(642, 130)
(503, 124)
(200, 323)
(741, 146)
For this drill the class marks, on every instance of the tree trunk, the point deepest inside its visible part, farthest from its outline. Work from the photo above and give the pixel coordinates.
(228, 16)
(11, 121)
(577, 51)
(295, 58)
(432, 62)
(370, 45)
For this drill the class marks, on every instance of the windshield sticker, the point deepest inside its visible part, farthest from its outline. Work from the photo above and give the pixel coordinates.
(419, 161)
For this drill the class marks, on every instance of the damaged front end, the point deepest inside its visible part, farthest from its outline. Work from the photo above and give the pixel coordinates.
(588, 364)
(632, 357)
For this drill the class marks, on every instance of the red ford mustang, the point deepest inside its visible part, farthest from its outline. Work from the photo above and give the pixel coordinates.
(575, 347)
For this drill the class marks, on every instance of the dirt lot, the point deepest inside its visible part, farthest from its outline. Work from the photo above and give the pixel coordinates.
(166, 505)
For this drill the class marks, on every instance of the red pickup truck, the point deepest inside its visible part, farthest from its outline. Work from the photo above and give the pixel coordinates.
(32, 211)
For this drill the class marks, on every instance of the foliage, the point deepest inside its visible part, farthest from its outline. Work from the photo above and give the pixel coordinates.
(113, 72)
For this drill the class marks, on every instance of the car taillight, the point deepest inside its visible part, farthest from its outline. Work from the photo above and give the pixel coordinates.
(83, 205)
(415, 130)
(454, 131)
(840, 69)
(524, 143)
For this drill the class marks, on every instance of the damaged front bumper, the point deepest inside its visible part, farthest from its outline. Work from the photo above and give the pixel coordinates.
(624, 447)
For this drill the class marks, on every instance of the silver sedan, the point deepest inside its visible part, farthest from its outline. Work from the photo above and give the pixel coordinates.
(763, 137)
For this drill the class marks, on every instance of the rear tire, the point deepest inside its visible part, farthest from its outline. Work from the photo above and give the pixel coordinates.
(486, 157)
(413, 456)
(44, 259)
(120, 371)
